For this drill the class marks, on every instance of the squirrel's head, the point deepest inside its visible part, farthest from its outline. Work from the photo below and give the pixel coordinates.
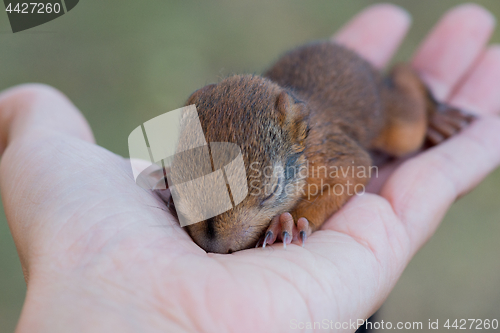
(269, 125)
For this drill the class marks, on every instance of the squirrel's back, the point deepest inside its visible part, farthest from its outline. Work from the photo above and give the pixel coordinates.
(339, 86)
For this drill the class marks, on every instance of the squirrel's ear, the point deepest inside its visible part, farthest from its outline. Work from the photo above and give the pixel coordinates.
(282, 106)
(292, 115)
(196, 95)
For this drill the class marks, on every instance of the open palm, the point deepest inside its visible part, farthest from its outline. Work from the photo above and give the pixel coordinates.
(101, 254)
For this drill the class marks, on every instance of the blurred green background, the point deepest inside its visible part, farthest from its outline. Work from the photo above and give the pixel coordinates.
(124, 62)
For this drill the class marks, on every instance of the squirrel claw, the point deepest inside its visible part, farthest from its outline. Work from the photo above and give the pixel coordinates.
(269, 236)
(303, 237)
(286, 239)
(287, 223)
(289, 231)
(272, 232)
(303, 226)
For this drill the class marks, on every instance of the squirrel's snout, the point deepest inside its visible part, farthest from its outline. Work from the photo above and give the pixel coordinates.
(215, 239)
(217, 246)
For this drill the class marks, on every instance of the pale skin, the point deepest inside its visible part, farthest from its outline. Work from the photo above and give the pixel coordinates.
(99, 257)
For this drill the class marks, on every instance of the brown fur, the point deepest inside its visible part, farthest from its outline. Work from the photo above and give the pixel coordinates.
(320, 106)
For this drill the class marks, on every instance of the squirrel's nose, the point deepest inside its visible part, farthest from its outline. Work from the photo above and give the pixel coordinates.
(217, 245)
(210, 241)
(211, 237)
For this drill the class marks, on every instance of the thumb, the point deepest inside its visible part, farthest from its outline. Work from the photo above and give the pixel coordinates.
(30, 110)
(29, 115)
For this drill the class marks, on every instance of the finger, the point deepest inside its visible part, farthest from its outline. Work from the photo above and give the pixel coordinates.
(31, 173)
(453, 46)
(423, 188)
(480, 91)
(382, 173)
(375, 33)
(31, 110)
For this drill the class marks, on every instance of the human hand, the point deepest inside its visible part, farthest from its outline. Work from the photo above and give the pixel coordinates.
(100, 254)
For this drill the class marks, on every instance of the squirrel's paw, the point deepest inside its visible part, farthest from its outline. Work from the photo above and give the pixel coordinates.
(283, 227)
(445, 122)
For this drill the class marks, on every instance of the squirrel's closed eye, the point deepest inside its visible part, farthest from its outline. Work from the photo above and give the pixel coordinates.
(277, 189)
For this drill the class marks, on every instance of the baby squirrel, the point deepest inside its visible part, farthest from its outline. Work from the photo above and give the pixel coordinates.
(320, 108)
